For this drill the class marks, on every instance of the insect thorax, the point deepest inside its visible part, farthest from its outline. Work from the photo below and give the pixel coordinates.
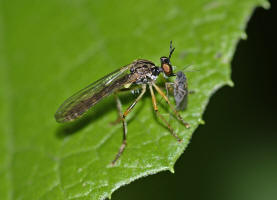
(145, 71)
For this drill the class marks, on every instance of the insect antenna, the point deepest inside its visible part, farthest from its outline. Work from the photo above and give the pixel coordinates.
(171, 50)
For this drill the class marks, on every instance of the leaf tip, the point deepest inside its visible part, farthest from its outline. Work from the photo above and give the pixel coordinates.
(243, 35)
(201, 121)
(265, 4)
(171, 169)
(230, 83)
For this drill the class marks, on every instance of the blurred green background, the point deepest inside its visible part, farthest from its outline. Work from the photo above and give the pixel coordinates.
(234, 155)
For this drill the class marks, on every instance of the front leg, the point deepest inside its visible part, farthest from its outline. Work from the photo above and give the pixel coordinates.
(168, 86)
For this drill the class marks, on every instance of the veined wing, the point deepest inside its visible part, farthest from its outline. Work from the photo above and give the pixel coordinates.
(80, 102)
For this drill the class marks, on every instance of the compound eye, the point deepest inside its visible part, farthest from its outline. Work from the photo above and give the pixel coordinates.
(167, 69)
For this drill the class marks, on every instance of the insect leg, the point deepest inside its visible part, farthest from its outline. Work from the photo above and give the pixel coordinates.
(160, 116)
(171, 106)
(119, 104)
(124, 123)
(119, 109)
(168, 86)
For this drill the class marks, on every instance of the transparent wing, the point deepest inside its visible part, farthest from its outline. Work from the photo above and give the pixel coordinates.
(80, 102)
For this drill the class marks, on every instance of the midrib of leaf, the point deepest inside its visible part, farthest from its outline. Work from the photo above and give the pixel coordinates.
(7, 112)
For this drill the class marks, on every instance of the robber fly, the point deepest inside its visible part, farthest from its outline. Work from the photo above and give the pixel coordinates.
(140, 72)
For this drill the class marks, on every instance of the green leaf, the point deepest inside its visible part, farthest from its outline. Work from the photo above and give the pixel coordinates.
(51, 49)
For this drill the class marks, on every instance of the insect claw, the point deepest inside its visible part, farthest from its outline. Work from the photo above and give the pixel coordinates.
(112, 163)
(187, 125)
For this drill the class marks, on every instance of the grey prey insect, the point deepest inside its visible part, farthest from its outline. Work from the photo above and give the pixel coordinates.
(180, 90)
(142, 73)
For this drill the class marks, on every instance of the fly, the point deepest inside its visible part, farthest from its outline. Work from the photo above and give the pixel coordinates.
(140, 72)
(180, 90)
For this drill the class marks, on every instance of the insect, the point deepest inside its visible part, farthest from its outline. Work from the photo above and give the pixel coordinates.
(142, 73)
(180, 90)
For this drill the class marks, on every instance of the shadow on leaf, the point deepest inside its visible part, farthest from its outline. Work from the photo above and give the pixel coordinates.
(95, 113)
